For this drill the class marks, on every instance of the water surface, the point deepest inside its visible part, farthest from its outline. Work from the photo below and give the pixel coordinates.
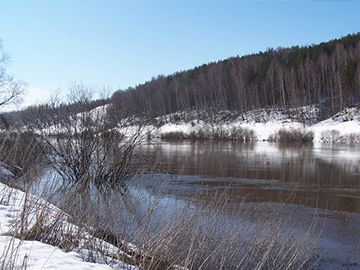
(324, 176)
(263, 184)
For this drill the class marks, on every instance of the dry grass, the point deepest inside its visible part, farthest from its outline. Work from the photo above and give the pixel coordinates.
(194, 243)
(203, 237)
(22, 153)
(41, 221)
(194, 238)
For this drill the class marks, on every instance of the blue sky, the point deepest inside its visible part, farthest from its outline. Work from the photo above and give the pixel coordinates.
(117, 44)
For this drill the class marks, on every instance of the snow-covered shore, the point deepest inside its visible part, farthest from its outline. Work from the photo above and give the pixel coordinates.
(25, 254)
(264, 123)
(343, 127)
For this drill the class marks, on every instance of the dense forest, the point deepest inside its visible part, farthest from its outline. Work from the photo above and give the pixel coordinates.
(327, 74)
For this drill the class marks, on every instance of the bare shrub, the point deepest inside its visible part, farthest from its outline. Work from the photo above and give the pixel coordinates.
(292, 136)
(84, 152)
(172, 135)
(200, 134)
(330, 136)
(219, 133)
(242, 134)
(87, 156)
(353, 138)
(334, 137)
(193, 135)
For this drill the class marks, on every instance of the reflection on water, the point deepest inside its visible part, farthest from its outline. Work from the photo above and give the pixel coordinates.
(316, 176)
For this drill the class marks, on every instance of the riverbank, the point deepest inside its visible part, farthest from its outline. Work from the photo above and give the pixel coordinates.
(35, 234)
(254, 125)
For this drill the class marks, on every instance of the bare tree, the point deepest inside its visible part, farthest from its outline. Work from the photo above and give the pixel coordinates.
(11, 91)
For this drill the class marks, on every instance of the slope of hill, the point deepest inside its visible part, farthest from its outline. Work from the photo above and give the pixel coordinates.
(327, 74)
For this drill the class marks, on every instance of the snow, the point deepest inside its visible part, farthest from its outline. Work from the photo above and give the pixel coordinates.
(345, 122)
(34, 254)
(37, 255)
(264, 123)
(185, 128)
(264, 130)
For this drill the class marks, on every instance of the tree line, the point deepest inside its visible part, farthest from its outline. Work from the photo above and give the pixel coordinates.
(53, 112)
(327, 74)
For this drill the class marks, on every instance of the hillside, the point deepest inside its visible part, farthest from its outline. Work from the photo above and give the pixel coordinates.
(326, 74)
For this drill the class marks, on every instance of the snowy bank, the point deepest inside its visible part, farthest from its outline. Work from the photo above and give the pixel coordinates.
(264, 123)
(17, 253)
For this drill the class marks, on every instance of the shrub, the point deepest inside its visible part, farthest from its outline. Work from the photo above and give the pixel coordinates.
(200, 134)
(219, 133)
(203, 133)
(88, 154)
(242, 134)
(334, 137)
(330, 136)
(193, 135)
(292, 136)
(172, 135)
(353, 138)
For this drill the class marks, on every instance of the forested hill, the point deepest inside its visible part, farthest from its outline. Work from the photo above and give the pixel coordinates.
(327, 74)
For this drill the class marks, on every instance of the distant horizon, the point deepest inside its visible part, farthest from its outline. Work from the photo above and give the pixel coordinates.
(121, 44)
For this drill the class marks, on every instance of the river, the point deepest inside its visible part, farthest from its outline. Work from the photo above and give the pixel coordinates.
(324, 176)
(295, 185)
